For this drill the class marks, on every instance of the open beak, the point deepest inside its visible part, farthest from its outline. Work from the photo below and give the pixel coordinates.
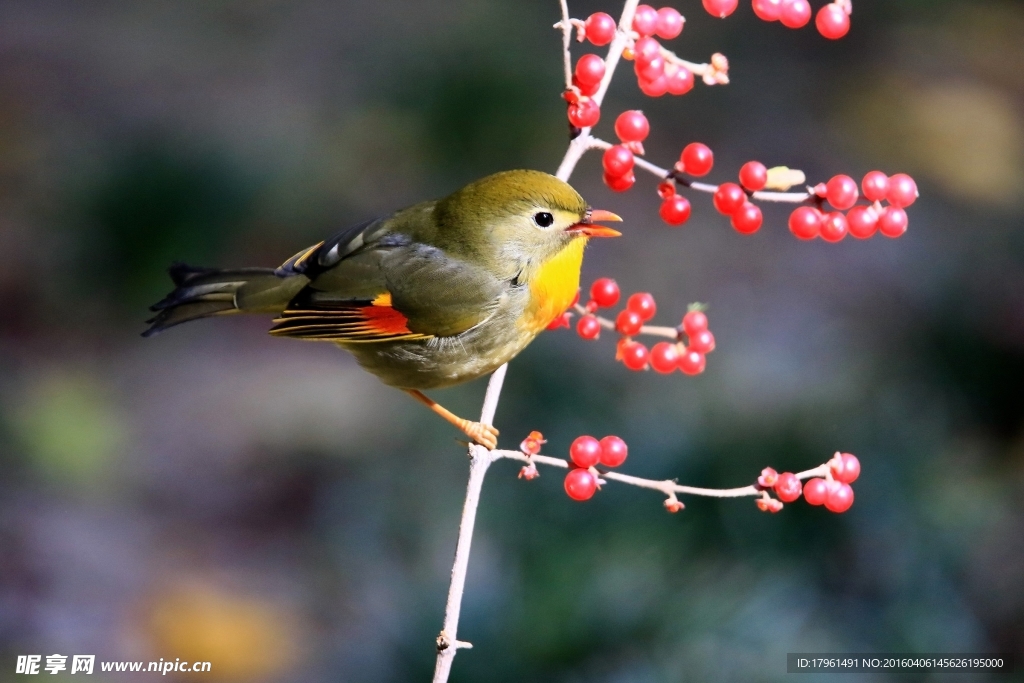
(588, 228)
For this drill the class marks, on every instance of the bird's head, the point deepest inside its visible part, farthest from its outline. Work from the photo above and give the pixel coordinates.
(518, 220)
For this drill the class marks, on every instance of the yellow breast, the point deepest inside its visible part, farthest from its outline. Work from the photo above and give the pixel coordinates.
(553, 286)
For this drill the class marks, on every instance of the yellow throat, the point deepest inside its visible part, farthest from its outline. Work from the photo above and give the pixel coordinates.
(553, 286)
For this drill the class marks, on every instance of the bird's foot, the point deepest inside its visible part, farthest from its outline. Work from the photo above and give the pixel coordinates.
(485, 435)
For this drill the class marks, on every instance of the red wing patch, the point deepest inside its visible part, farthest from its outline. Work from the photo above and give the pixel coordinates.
(376, 321)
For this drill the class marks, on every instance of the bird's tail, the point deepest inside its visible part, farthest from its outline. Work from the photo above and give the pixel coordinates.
(204, 292)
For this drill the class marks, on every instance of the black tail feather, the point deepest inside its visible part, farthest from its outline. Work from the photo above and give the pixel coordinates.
(199, 293)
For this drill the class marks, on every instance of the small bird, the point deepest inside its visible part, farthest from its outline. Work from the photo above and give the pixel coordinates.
(434, 295)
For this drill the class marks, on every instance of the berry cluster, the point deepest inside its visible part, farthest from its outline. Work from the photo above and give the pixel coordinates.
(806, 222)
(729, 199)
(860, 221)
(632, 129)
(586, 453)
(664, 357)
(832, 21)
(658, 71)
(697, 160)
(834, 491)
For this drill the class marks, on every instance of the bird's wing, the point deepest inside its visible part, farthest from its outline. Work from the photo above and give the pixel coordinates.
(375, 282)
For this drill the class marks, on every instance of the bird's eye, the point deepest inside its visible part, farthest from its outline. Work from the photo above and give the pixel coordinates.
(543, 219)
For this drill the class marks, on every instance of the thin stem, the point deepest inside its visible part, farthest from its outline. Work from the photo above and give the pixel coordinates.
(665, 486)
(788, 197)
(480, 460)
(582, 143)
(566, 26)
(652, 330)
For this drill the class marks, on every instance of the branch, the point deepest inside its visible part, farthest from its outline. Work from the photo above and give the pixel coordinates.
(622, 38)
(652, 330)
(716, 72)
(666, 486)
(480, 460)
(663, 173)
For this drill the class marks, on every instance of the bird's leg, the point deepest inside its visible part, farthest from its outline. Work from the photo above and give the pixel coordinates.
(485, 435)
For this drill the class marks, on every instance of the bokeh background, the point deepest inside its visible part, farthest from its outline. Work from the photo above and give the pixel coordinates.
(215, 494)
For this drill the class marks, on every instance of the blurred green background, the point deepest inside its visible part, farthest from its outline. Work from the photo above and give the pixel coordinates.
(216, 494)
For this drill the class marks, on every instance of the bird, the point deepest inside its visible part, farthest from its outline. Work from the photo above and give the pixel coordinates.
(434, 295)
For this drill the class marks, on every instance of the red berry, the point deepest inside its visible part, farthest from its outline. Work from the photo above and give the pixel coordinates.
(646, 49)
(875, 186)
(845, 467)
(747, 219)
(675, 210)
(832, 21)
(584, 114)
(605, 292)
(632, 126)
(580, 484)
(655, 88)
(834, 227)
(805, 222)
(729, 197)
(617, 160)
(697, 159)
(892, 222)
(692, 362)
(585, 451)
(620, 183)
(680, 81)
(586, 89)
(628, 323)
(613, 451)
(795, 13)
(863, 221)
(816, 491)
(588, 327)
(840, 497)
(720, 8)
(664, 357)
(768, 10)
(703, 341)
(589, 69)
(695, 322)
(643, 304)
(600, 28)
(670, 23)
(788, 487)
(645, 21)
(841, 192)
(634, 356)
(650, 70)
(753, 176)
(902, 191)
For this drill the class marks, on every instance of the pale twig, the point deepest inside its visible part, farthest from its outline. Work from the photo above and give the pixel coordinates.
(788, 197)
(666, 486)
(716, 72)
(651, 330)
(581, 144)
(479, 460)
(565, 25)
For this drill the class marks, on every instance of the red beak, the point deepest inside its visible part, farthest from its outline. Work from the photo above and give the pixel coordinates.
(588, 228)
